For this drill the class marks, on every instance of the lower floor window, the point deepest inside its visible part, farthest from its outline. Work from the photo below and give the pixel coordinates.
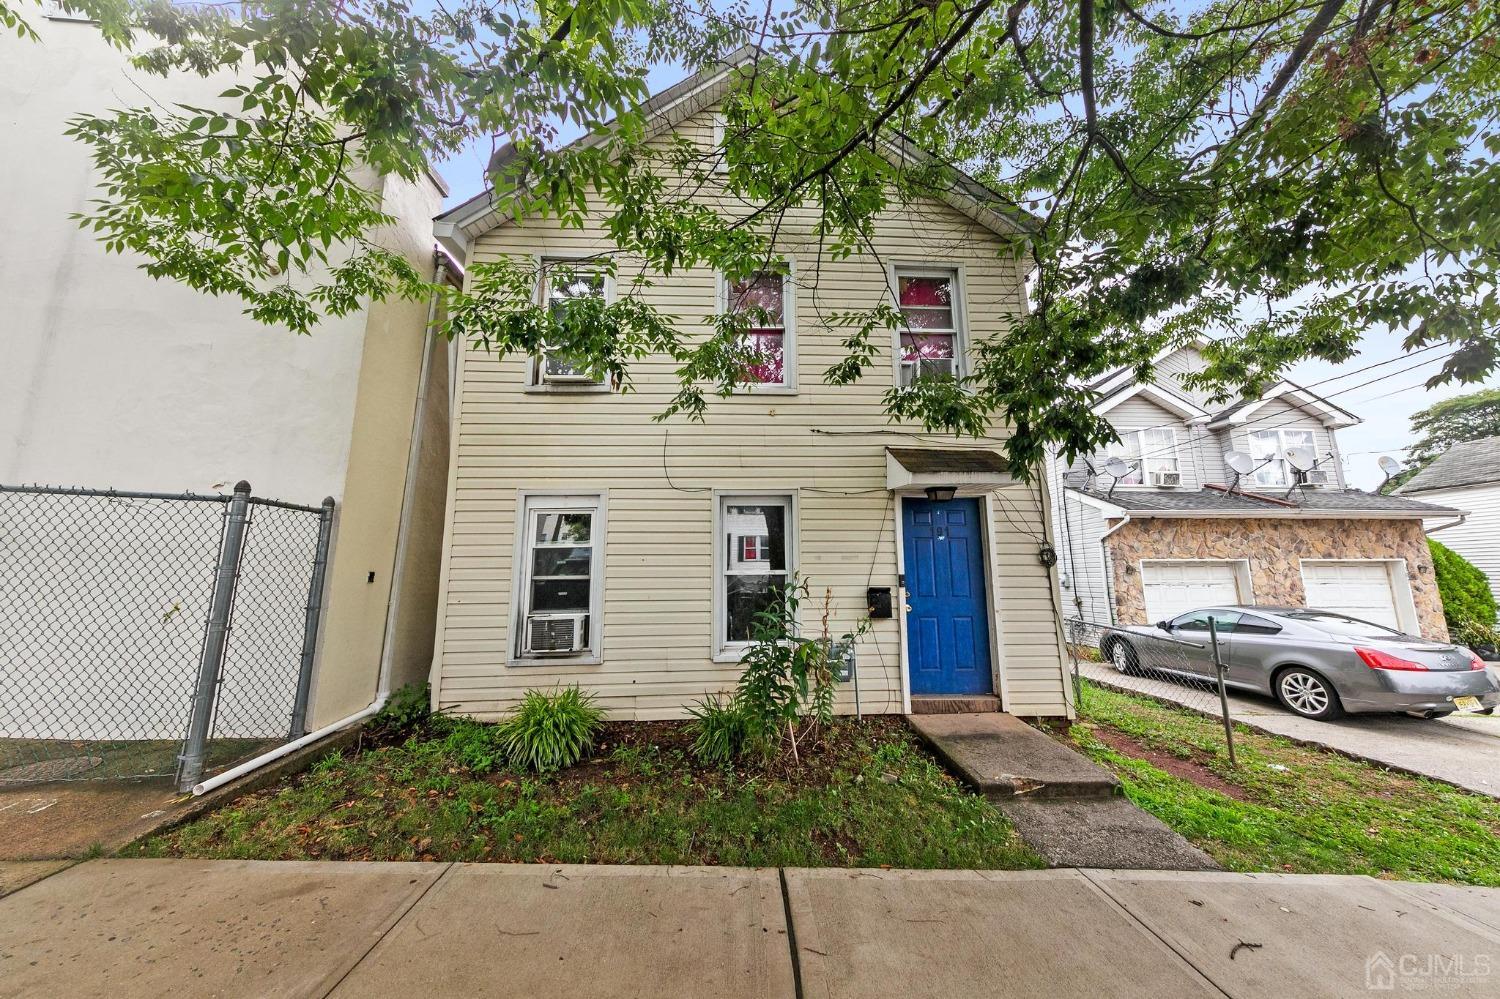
(560, 567)
(755, 559)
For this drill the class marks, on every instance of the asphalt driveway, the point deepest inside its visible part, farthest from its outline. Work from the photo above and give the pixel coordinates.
(1462, 749)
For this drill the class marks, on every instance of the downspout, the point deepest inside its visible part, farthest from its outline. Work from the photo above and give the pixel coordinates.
(1109, 581)
(403, 531)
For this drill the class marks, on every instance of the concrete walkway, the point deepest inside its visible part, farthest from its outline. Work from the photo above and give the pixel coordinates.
(1066, 807)
(1462, 749)
(139, 928)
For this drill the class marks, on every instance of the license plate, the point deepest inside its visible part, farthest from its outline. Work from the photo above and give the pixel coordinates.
(1466, 703)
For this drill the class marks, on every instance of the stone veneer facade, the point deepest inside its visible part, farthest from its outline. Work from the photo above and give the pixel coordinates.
(1274, 549)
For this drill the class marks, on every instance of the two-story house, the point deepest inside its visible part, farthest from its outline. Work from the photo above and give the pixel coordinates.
(1241, 504)
(588, 544)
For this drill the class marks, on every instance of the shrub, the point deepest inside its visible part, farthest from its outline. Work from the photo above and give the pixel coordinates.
(550, 731)
(407, 708)
(1468, 605)
(720, 729)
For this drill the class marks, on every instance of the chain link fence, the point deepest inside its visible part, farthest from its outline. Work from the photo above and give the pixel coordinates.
(1185, 668)
(153, 634)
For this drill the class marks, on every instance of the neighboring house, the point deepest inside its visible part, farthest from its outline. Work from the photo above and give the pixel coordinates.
(1178, 528)
(1466, 476)
(588, 544)
(113, 379)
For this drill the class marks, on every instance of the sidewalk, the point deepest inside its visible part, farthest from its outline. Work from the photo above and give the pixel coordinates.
(137, 928)
(1463, 750)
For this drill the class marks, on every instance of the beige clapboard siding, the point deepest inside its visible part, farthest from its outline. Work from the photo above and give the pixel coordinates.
(658, 555)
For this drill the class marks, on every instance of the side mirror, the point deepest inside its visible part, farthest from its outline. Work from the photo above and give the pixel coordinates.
(1164, 625)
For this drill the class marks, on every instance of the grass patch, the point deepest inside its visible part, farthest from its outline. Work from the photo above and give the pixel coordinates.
(865, 795)
(1294, 808)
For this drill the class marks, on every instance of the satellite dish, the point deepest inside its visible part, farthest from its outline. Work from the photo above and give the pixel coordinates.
(1239, 462)
(1117, 467)
(1390, 466)
(1301, 458)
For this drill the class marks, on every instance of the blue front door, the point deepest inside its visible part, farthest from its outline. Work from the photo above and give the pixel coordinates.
(947, 627)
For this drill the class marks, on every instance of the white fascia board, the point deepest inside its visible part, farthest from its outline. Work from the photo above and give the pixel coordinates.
(1167, 400)
(1327, 413)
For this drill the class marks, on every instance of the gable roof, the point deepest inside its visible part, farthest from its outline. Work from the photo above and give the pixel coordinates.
(1124, 375)
(1331, 416)
(460, 225)
(1472, 463)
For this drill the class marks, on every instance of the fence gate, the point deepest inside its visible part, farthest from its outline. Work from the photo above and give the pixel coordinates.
(153, 634)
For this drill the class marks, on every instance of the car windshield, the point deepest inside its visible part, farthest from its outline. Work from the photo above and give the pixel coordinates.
(1341, 625)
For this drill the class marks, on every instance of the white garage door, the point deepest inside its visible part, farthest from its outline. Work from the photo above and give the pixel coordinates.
(1174, 588)
(1359, 589)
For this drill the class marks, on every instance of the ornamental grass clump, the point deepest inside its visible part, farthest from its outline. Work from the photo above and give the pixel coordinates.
(550, 731)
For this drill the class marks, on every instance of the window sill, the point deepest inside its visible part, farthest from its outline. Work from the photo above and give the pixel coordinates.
(765, 390)
(587, 660)
(601, 388)
(731, 654)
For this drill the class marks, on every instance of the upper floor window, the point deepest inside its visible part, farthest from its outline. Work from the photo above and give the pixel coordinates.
(762, 302)
(1151, 455)
(930, 341)
(1268, 448)
(564, 283)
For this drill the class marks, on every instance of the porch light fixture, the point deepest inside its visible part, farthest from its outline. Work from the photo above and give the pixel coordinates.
(940, 494)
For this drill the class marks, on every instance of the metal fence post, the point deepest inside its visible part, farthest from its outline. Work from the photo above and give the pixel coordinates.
(215, 640)
(1220, 667)
(312, 619)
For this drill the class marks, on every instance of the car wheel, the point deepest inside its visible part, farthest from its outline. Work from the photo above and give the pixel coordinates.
(1306, 693)
(1123, 658)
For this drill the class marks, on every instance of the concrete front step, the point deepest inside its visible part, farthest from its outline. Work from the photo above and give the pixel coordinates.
(1002, 756)
(966, 704)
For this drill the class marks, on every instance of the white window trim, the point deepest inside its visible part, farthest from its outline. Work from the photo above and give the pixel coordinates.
(788, 340)
(932, 268)
(534, 382)
(718, 151)
(528, 501)
(1155, 454)
(732, 652)
(1279, 461)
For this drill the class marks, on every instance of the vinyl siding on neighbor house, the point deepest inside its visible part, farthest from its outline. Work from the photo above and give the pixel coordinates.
(661, 479)
(1478, 537)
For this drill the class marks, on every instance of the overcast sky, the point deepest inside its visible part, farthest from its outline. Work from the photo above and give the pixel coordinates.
(1385, 404)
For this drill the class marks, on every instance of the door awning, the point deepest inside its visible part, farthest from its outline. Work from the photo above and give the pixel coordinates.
(965, 468)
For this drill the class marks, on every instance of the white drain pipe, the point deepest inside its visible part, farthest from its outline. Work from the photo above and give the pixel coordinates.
(234, 773)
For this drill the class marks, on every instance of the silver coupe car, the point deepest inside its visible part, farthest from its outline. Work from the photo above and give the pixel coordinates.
(1317, 663)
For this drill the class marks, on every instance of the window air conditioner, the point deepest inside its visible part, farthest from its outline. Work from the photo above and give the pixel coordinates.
(555, 634)
(1166, 478)
(925, 367)
(1317, 477)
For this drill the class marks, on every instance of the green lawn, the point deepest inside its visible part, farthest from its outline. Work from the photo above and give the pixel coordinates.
(1304, 810)
(867, 795)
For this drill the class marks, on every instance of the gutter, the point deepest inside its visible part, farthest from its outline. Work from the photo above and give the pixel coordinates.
(1443, 527)
(393, 604)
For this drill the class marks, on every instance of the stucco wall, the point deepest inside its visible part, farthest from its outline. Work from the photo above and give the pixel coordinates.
(1274, 549)
(109, 378)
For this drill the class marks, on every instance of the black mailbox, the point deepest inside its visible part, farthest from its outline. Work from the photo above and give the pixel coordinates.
(878, 600)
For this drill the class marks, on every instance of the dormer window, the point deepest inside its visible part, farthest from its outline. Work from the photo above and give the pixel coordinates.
(1269, 447)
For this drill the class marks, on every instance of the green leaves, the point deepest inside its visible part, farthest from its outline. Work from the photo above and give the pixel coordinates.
(1280, 176)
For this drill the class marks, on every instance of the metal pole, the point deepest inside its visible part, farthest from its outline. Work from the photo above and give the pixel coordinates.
(312, 619)
(215, 640)
(1220, 668)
